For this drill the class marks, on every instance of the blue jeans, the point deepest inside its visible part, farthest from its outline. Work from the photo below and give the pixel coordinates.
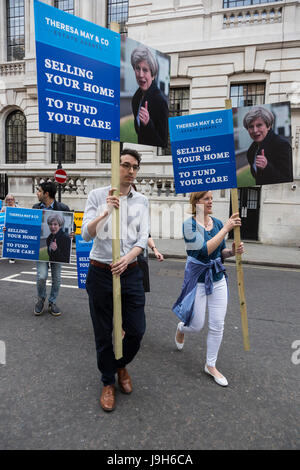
(99, 288)
(42, 275)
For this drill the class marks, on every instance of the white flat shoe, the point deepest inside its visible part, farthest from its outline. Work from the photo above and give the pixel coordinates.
(178, 345)
(219, 380)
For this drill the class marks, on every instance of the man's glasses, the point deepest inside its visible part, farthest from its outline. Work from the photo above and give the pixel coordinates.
(127, 166)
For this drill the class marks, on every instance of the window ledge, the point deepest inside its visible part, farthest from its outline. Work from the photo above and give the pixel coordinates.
(250, 15)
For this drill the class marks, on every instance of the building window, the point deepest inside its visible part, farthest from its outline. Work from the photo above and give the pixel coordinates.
(247, 94)
(65, 5)
(63, 148)
(244, 3)
(179, 105)
(15, 30)
(117, 11)
(15, 138)
(105, 151)
(179, 101)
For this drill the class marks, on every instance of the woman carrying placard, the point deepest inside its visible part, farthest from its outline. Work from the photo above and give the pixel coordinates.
(205, 279)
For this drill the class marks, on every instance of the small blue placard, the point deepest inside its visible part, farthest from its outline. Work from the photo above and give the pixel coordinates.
(203, 151)
(22, 234)
(2, 219)
(78, 75)
(83, 249)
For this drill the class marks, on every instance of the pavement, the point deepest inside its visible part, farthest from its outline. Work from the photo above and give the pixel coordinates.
(255, 253)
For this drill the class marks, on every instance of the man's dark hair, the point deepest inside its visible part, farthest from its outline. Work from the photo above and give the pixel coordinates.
(134, 153)
(49, 187)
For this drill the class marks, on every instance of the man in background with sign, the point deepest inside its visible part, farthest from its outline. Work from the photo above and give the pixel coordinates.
(97, 224)
(46, 196)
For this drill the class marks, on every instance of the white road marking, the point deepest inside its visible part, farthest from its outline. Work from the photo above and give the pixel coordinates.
(68, 272)
(65, 274)
(33, 282)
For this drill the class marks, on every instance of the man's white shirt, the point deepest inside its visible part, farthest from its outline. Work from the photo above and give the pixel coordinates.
(134, 223)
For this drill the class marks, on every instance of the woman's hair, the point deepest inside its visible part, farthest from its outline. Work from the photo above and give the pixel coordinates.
(9, 196)
(194, 197)
(256, 113)
(142, 53)
(59, 219)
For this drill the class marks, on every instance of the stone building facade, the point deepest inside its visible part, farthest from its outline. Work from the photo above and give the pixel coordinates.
(248, 51)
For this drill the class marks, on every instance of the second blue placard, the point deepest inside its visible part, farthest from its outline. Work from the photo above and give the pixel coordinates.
(203, 151)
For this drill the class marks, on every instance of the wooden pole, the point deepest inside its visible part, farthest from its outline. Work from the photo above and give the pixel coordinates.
(115, 183)
(239, 267)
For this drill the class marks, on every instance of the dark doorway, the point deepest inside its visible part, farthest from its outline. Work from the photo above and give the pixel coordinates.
(3, 185)
(249, 205)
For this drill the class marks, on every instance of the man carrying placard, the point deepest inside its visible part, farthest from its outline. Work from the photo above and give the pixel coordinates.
(97, 225)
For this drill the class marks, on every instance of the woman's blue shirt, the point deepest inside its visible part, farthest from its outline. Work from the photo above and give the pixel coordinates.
(196, 238)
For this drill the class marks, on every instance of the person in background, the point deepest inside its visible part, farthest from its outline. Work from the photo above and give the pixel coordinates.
(143, 262)
(143, 258)
(46, 196)
(152, 246)
(9, 201)
(205, 279)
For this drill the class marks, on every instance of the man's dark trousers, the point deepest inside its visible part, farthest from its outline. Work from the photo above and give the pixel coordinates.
(100, 291)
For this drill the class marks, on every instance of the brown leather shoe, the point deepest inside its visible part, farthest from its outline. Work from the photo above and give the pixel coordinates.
(124, 381)
(107, 399)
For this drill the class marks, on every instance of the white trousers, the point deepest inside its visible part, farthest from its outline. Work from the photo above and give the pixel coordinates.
(217, 306)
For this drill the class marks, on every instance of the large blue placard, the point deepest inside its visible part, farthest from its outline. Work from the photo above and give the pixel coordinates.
(83, 249)
(78, 74)
(203, 151)
(22, 234)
